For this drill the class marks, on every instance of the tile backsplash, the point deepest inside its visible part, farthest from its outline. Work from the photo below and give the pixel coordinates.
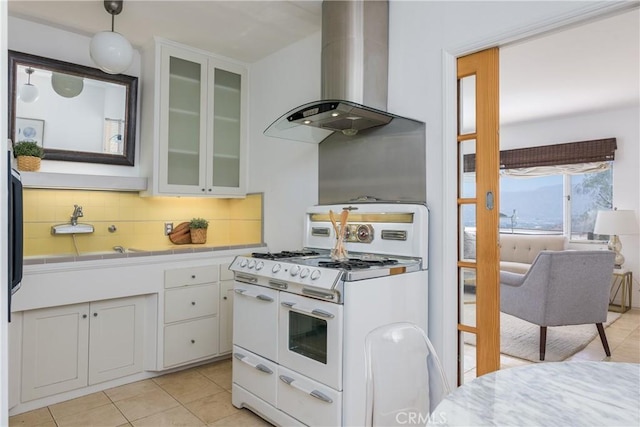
(139, 221)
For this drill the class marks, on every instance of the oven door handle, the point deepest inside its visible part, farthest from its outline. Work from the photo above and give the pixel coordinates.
(246, 293)
(259, 366)
(314, 312)
(313, 393)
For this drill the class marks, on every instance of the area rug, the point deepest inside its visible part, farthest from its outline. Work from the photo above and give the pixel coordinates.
(521, 339)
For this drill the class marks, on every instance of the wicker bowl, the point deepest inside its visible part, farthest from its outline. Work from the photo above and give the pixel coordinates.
(198, 235)
(28, 163)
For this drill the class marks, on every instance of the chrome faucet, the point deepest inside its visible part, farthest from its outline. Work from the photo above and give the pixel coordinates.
(119, 249)
(77, 213)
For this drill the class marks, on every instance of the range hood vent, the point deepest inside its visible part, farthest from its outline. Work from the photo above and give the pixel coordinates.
(354, 75)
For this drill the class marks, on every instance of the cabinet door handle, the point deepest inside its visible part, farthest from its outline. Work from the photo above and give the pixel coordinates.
(193, 303)
(84, 316)
(193, 276)
(224, 297)
(193, 341)
(95, 314)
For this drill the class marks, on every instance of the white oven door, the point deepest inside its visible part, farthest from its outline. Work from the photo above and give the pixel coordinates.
(255, 319)
(310, 338)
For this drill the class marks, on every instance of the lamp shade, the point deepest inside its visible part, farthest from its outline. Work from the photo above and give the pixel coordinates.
(66, 85)
(111, 52)
(28, 93)
(616, 222)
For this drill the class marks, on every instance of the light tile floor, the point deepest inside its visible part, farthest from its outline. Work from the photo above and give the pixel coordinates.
(623, 337)
(201, 396)
(195, 397)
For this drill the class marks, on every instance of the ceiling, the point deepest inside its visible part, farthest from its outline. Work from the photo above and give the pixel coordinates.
(591, 67)
(243, 30)
(585, 68)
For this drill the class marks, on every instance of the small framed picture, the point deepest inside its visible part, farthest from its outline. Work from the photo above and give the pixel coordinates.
(29, 130)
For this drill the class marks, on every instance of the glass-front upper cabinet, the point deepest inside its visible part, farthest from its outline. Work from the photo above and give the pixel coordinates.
(199, 123)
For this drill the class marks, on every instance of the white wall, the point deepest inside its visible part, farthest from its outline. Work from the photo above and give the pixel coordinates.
(621, 124)
(49, 42)
(286, 171)
(424, 35)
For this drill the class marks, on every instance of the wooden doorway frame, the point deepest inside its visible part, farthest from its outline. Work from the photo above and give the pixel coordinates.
(447, 332)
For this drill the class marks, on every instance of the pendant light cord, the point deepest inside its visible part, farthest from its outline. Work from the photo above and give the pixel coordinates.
(113, 19)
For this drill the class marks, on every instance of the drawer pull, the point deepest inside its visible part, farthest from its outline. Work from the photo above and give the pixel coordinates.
(193, 303)
(224, 297)
(246, 293)
(259, 366)
(193, 341)
(313, 393)
(246, 278)
(95, 314)
(193, 276)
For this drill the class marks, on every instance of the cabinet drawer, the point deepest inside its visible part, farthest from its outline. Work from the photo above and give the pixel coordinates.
(255, 374)
(189, 341)
(190, 276)
(190, 302)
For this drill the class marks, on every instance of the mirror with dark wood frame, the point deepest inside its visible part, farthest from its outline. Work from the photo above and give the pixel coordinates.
(81, 114)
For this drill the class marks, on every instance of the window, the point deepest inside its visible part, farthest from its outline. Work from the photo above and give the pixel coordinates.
(561, 203)
(590, 193)
(555, 189)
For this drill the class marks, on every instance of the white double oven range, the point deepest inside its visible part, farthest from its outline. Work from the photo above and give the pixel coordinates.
(300, 318)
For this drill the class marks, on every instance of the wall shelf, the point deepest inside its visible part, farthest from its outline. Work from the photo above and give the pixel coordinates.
(82, 182)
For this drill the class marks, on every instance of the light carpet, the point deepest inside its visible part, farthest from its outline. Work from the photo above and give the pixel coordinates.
(521, 339)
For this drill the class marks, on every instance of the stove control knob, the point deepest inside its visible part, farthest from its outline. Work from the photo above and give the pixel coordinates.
(304, 273)
(294, 270)
(259, 265)
(243, 263)
(315, 274)
(276, 268)
(252, 263)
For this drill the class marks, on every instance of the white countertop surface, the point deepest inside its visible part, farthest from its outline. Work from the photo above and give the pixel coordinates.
(547, 394)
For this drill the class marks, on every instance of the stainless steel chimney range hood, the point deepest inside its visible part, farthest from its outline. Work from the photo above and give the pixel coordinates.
(315, 121)
(354, 75)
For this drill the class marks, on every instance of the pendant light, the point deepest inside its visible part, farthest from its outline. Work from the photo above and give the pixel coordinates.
(28, 92)
(66, 85)
(111, 52)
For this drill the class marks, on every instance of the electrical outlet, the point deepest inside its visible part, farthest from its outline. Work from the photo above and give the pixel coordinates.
(168, 228)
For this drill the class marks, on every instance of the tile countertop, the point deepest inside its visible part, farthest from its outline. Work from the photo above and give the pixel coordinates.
(137, 252)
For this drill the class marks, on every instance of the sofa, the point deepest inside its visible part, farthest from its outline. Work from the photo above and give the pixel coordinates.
(517, 251)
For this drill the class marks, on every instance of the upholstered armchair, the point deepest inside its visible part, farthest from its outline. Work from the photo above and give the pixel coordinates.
(561, 288)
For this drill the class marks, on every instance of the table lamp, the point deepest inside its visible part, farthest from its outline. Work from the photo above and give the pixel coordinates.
(615, 223)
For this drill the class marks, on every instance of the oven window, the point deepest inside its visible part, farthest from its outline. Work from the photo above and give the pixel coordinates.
(308, 336)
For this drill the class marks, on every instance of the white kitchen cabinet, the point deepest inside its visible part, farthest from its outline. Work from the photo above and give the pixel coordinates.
(191, 307)
(194, 122)
(116, 330)
(72, 346)
(226, 309)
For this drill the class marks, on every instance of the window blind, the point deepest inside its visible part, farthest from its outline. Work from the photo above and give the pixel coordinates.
(597, 150)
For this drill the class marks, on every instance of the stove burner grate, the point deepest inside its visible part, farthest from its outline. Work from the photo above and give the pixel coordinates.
(283, 254)
(353, 264)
